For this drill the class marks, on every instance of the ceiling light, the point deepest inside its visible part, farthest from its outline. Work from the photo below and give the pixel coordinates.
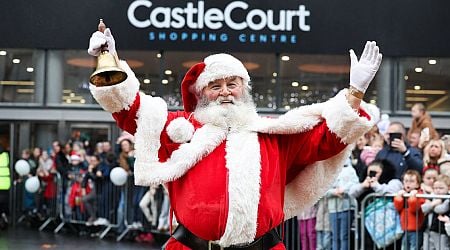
(158, 55)
(17, 83)
(25, 91)
(30, 69)
(83, 101)
(432, 61)
(68, 101)
(417, 87)
(2, 53)
(418, 69)
(146, 81)
(72, 95)
(416, 99)
(305, 87)
(373, 101)
(287, 107)
(285, 58)
(426, 92)
(294, 84)
(15, 60)
(406, 77)
(274, 74)
(168, 72)
(165, 81)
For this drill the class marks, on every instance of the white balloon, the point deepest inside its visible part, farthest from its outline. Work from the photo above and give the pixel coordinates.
(118, 176)
(32, 184)
(22, 167)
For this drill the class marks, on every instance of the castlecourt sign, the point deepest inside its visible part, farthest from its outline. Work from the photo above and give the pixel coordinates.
(197, 22)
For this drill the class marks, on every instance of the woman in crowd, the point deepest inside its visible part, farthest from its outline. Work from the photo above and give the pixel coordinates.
(379, 178)
(434, 153)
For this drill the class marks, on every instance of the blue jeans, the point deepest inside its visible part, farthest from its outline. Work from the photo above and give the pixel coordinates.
(323, 240)
(411, 240)
(340, 228)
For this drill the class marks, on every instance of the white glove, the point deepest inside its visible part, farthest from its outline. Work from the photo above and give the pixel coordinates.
(363, 71)
(98, 39)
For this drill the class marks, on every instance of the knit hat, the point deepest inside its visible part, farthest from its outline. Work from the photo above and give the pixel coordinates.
(213, 67)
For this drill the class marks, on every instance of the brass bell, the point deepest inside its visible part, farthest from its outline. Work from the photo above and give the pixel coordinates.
(107, 72)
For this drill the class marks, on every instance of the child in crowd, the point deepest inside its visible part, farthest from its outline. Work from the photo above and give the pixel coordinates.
(445, 219)
(411, 216)
(307, 226)
(323, 229)
(369, 152)
(435, 236)
(428, 178)
(341, 206)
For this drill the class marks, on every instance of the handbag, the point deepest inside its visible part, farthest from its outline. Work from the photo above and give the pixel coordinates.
(382, 221)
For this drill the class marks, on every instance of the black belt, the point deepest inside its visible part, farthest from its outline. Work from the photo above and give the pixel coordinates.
(187, 238)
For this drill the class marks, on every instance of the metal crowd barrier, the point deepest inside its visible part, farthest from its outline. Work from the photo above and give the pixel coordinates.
(146, 209)
(385, 219)
(291, 234)
(118, 208)
(74, 212)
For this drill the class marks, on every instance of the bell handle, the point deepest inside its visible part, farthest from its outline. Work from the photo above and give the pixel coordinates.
(102, 27)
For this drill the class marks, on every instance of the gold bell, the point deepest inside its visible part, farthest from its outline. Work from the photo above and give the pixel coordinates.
(107, 72)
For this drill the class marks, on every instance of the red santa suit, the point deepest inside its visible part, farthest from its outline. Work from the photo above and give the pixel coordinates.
(232, 185)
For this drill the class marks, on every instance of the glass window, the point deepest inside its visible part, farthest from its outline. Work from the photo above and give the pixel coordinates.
(424, 80)
(147, 66)
(307, 79)
(21, 73)
(68, 75)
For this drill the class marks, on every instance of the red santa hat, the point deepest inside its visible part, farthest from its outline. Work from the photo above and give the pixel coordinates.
(213, 67)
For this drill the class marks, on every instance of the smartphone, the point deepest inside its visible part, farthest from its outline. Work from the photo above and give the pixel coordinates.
(372, 173)
(393, 136)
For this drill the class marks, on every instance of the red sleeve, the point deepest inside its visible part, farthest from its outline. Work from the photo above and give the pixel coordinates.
(126, 119)
(300, 150)
(415, 203)
(398, 203)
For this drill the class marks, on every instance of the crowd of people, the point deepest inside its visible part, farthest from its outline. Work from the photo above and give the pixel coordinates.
(88, 195)
(399, 163)
(387, 160)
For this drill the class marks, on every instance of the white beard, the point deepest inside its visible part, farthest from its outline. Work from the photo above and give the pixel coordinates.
(234, 115)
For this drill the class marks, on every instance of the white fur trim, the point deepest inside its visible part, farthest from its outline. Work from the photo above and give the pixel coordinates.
(243, 187)
(219, 66)
(312, 183)
(152, 116)
(120, 96)
(344, 121)
(180, 130)
(151, 171)
(295, 121)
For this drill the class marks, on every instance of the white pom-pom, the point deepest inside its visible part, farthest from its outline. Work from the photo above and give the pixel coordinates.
(180, 130)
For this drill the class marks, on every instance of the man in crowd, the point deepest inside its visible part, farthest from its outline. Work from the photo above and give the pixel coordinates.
(398, 152)
(233, 176)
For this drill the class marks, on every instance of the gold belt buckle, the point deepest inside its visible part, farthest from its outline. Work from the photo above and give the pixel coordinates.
(210, 245)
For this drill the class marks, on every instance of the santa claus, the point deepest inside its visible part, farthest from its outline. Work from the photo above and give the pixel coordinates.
(232, 175)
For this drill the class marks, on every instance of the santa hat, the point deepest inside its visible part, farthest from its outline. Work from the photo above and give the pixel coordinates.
(213, 67)
(75, 157)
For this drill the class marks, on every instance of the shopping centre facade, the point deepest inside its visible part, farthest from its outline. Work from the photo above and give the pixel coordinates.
(296, 53)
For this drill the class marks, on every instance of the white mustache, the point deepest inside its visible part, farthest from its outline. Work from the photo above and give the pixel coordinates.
(222, 99)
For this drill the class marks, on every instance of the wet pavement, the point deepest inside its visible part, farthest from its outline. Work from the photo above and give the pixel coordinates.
(24, 238)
